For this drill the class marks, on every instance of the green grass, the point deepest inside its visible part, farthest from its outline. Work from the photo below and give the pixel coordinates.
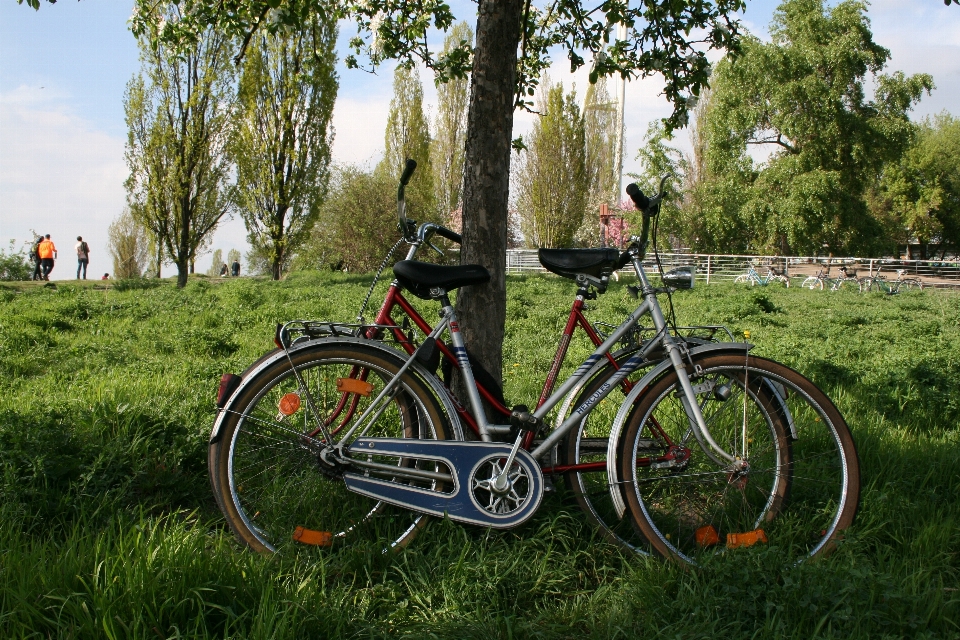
(108, 527)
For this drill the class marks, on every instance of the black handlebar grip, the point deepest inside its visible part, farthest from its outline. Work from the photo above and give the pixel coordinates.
(639, 200)
(408, 171)
(453, 236)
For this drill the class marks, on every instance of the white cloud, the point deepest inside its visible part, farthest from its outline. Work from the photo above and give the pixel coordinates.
(359, 126)
(58, 175)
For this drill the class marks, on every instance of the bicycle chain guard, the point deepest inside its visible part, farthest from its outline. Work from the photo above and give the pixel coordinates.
(470, 499)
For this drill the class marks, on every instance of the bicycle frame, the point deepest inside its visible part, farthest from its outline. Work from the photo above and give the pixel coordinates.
(649, 306)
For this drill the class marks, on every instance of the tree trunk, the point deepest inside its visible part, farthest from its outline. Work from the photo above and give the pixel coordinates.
(486, 178)
(276, 268)
(182, 272)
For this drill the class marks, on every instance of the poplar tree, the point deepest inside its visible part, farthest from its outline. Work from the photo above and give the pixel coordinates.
(553, 182)
(129, 246)
(283, 139)
(408, 136)
(447, 147)
(178, 121)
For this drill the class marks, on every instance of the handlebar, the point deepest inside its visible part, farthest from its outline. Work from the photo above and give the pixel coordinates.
(427, 229)
(408, 228)
(408, 171)
(649, 207)
(452, 236)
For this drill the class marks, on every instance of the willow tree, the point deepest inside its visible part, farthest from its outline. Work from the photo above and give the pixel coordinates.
(552, 180)
(178, 120)
(283, 137)
(803, 98)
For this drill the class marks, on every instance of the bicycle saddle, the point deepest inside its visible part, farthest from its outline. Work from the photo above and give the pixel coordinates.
(420, 277)
(592, 262)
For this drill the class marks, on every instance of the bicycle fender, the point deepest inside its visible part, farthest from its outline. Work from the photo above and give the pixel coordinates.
(638, 389)
(431, 381)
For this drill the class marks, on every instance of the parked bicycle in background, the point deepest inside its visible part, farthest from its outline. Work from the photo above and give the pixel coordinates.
(754, 278)
(877, 282)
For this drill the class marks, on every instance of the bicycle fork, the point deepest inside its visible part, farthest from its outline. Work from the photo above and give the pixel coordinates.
(689, 397)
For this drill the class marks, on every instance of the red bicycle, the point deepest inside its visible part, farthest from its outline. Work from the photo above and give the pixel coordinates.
(581, 458)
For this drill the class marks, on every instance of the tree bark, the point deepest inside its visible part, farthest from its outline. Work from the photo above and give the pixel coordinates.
(486, 180)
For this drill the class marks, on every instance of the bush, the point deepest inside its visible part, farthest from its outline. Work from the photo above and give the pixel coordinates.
(15, 264)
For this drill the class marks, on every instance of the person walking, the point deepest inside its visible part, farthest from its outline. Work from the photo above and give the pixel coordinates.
(48, 253)
(35, 254)
(83, 257)
(235, 268)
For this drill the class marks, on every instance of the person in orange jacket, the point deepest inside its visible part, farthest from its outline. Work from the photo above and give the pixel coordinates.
(48, 253)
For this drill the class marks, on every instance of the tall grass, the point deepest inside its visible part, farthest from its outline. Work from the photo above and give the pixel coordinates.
(108, 527)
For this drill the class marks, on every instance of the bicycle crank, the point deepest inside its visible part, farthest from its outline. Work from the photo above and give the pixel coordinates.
(461, 480)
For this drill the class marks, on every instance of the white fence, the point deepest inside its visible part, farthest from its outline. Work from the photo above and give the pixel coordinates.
(715, 268)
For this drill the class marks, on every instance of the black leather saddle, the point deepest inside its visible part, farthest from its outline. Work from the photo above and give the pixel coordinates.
(419, 277)
(592, 262)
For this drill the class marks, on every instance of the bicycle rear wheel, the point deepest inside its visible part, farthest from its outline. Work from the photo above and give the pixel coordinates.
(794, 484)
(813, 283)
(274, 485)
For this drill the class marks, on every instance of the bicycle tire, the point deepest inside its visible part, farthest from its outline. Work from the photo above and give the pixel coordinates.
(743, 279)
(865, 284)
(813, 283)
(784, 280)
(269, 475)
(587, 443)
(909, 284)
(214, 452)
(801, 492)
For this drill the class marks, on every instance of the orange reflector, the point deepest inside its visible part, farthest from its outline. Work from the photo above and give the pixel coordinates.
(352, 385)
(315, 538)
(707, 536)
(289, 404)
(747, 539)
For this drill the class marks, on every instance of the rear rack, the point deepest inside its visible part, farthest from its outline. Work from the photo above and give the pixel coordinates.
(296, 331)
(638, 335)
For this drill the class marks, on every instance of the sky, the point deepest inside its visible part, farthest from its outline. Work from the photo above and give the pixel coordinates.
(64, 70)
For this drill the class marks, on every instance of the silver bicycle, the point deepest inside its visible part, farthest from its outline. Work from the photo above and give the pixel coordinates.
(713, 450)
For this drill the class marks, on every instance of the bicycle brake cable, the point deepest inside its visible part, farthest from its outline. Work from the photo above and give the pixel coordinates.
(376, 278)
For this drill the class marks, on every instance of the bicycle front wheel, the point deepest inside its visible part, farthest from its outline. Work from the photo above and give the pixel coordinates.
(792, 486)
(277, 488)
(584, 450)
(909, 284)
(743, 279)
(813, 283)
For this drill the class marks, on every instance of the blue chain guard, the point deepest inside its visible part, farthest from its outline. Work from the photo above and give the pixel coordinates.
(457, 502)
